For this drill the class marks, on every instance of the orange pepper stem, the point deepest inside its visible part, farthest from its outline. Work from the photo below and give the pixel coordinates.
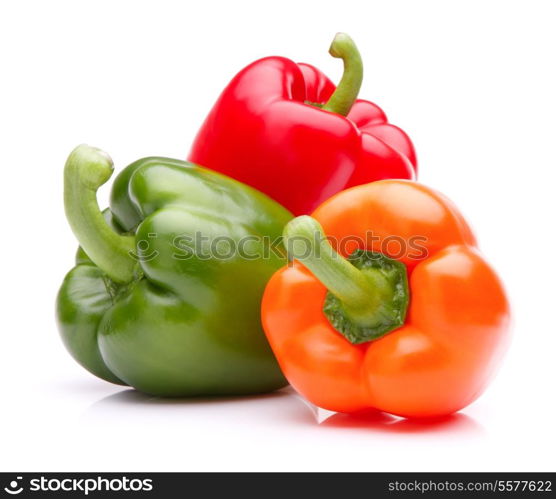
(361, 293)
(340, 102)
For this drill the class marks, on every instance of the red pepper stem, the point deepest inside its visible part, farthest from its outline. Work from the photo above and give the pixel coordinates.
(359, 292)
(87, 168)
(346, 92)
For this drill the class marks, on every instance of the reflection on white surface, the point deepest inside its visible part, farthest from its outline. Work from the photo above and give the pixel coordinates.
(86, 424)
(281, 408)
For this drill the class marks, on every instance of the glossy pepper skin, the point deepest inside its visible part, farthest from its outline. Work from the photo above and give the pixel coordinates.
(455, 329)
(278, 120)
(173, 320)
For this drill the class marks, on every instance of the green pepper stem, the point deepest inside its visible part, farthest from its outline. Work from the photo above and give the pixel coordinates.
(87, 168)
(344, 96)
(359, 292)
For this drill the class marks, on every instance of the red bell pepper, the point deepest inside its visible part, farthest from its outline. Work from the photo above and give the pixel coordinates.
(278, 121)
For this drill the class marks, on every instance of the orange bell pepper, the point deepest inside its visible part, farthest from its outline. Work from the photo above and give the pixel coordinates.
(413, 323)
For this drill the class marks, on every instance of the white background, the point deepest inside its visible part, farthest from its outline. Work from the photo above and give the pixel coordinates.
(473, 83)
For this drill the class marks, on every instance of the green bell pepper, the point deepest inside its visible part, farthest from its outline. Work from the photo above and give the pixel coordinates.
(165, 295)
